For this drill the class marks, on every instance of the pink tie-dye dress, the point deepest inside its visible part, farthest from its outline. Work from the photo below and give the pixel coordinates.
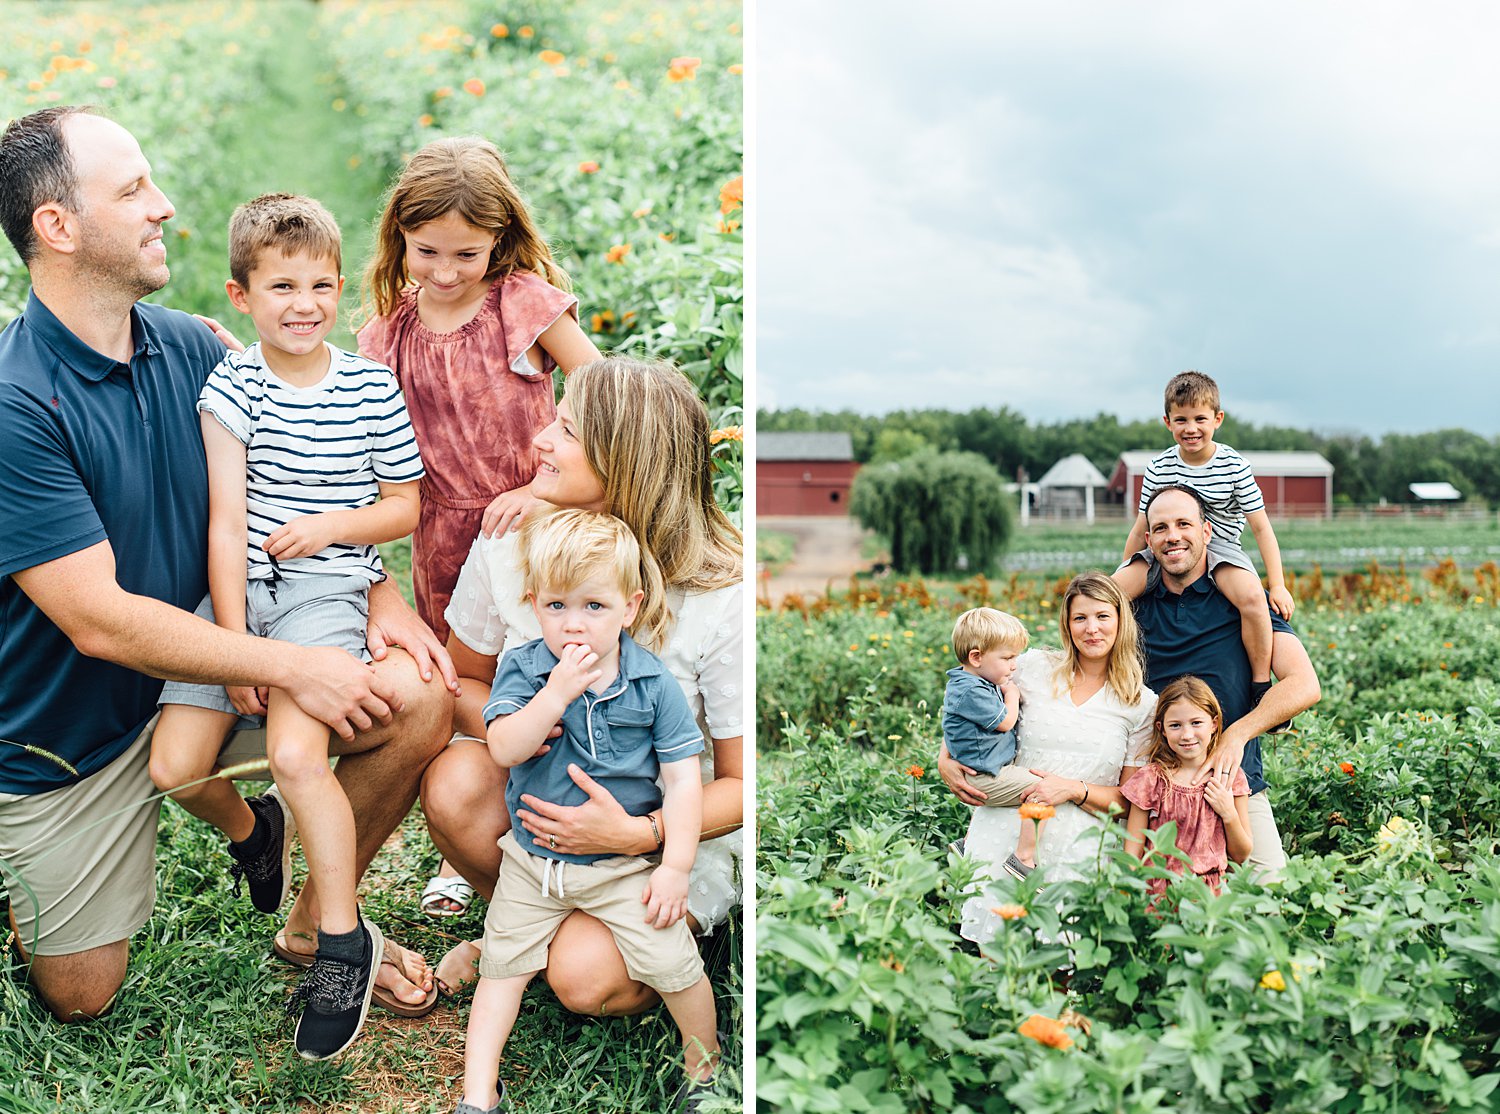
(475, 401)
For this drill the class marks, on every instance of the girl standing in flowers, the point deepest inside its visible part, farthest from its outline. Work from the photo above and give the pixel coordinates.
(472, 313)
(1213, 819)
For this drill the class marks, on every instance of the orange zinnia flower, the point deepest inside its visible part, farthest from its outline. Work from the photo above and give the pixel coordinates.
(914, 771)
(617, 253)
(1008, 912)
(732, 195)
(552, 57)
(1347, 767)
(500, 31)
(1036, 810)
(1045, 1030)
(736, 69)
(425, 120)
(525, 32)
(728, 433)
(439, 94)
(474, 86)
(683, 69)
(589, 167)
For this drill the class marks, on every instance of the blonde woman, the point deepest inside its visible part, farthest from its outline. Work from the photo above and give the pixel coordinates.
(1085, 713)
(630, 438)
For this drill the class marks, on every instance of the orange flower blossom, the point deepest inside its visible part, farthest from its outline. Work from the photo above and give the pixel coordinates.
(683, 69)
(474, 86)
(732, 195)
(1036, 810)
(728, 433)
(617, 253)
(552, 57)
(1045, 1030)
(914, 771)
(588, 167)
(1008, 912)
(1347, 767)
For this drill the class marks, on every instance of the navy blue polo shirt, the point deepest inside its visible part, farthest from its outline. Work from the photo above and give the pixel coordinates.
(618, 737)
(94, 450)
(1198, 632)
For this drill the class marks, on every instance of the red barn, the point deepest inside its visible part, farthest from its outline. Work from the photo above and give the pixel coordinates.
(803, 473)
(1292, 483)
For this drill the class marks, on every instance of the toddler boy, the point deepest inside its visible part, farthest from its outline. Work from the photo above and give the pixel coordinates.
(980, 706)
(624, 719)
(311, 462)
(1227, 486)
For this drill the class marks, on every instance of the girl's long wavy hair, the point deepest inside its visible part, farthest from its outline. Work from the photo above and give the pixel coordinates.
(1125, 673)
(1194, 691)
(464, 175)
(645, 433)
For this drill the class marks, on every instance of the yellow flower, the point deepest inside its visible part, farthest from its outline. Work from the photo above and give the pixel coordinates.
(1272, 980)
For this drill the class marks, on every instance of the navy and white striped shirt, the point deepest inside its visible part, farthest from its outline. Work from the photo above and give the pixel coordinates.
(1226, 484)
(312, 449)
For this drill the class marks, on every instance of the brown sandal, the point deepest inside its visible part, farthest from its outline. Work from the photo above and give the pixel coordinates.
(384, 998)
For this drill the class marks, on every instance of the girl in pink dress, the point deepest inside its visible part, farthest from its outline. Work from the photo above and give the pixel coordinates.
(473, 314)
(1213, 820)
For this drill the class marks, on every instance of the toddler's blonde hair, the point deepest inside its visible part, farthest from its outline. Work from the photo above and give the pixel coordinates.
(985, 629)
(561, 549)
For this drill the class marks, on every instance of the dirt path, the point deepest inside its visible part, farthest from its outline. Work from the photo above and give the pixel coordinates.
(827, 552)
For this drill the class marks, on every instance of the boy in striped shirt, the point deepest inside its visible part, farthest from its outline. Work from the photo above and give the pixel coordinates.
(311, 463)
(1223, 480)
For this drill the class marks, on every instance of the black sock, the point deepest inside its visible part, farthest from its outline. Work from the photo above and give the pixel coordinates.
(254, 843)
(351, 945)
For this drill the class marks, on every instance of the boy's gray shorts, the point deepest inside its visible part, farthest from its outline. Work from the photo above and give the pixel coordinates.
(306, 610)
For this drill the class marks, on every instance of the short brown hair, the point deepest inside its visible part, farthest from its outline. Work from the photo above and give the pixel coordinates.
(1191, 388)
(36, 168)
(288, 223)
(985, 629)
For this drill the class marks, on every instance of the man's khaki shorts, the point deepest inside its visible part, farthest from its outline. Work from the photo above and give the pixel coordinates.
(88, 851)
(521, 921)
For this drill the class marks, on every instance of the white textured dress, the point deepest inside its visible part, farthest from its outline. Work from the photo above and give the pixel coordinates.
(705, 653)
(1087, 743)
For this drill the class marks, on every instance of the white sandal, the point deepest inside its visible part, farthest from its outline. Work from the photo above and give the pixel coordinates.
(440, 889)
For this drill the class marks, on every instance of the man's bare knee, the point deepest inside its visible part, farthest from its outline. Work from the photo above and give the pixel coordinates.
(587, 997)
(81, 987)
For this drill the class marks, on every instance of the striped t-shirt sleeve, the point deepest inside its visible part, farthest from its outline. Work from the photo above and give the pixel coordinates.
(227, 396)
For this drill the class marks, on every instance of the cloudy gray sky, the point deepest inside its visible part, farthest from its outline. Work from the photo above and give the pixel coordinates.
(1055, 206)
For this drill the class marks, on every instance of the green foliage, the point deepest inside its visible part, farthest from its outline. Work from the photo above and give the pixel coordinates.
(1369, 979)
(940, 511)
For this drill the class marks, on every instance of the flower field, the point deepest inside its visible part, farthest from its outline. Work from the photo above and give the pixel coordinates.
(621, 123)
(1369, 979)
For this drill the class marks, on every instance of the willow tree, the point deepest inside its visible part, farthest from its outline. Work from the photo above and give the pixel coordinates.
(941, 512)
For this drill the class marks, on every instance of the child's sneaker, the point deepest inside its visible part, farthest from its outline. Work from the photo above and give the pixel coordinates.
(498, 1108)
(1258, 690)
(335, 994)
(1016, 868)
(957, 847)
(268, 868)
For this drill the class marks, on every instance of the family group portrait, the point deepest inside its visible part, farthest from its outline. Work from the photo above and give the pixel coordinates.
(1126, 575)
(371, 557)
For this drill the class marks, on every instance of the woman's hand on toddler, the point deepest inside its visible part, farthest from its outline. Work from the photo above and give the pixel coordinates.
(665, 897)
(301, 537)
(575, 672)
(506, 511)
(1219, 798)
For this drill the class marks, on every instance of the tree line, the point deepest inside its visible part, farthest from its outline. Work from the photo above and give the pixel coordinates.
(1365, 469)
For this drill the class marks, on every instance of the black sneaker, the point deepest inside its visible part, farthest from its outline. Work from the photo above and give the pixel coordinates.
(270, 872)
(336, 997)
(1258, 690)
(498, 1108)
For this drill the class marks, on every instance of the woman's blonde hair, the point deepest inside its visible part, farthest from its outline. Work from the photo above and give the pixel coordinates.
(1126, 671)
(561, 549)
(1196, 692)
(645, 433)
(467, 176)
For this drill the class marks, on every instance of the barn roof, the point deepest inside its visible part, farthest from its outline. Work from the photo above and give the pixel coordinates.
(1072, 471)
(804, 446)
(1262, 462)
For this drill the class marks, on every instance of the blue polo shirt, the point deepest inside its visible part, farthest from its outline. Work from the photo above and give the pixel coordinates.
(618, 737)
(1198, 632)
(94, 450)
(972, 711)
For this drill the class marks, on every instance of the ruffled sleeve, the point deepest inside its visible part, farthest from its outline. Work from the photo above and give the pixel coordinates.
(373, 339)
(721, 664)
(485, 611)
(529, 306)
(1144, 789)
(1239, 785)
